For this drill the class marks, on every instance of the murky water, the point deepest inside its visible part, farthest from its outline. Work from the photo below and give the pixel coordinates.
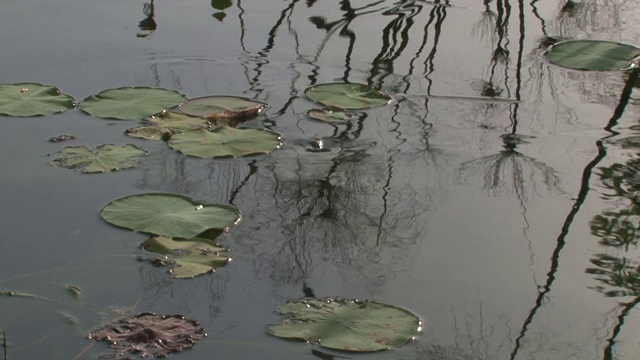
(496, 198)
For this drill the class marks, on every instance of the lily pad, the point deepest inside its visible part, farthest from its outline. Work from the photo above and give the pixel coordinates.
(130, 103)
(30, 99)
(593, 55)
(223, 108)
(105, 158)
(221, 4)
(349, 325)
(330, 115)
(224, 142)
(347, 96)
(149, 335)
(191, 257)
(165, 124)
(168, 214)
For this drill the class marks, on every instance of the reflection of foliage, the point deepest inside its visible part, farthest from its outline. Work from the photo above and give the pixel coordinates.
(486, 24)
(621, 273)
(624, 180)
(617, 228)
(147, 25)
(495, 169)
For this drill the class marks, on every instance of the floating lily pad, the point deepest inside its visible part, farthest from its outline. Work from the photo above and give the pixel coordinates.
(349, 325)
(593, 55)
(221, 4)
(168, 214)
(223, 108)
(330, 115)
(347, 96)
(105, 158)
(130, 103)
(29, 99)
(149, 335)
(191, 257)
(224, 142)
(165, 124)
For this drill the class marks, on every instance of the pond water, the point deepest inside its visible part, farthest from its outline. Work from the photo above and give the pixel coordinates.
(491, 198)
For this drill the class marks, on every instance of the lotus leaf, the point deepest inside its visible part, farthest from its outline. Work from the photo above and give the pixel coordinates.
(191, 257)
(347, 96)
(349, 325)
(225, 141)
(149, 335)
(330, 115)
(593, 55)
(29, 99)
(221, 4)
(165, 124)
(105, 158)
(168, 214)
(130, 103)
(223, 108)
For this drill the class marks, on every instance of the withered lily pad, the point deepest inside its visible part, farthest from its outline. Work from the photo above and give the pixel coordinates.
(344, 324)
(130, 103)
(224, 142)
(347, 96)
(150, 335)
(330, 115)
(165, 124)
(190, 257)
(223, 109)
(105, 158)
(30, 99)
(166, 214)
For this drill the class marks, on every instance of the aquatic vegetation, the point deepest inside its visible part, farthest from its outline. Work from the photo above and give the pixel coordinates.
(222, 110)
(331, 115)
(31, 99)
(593, 55)
(349, 96)
(165, 124)
(130, 103)
(105, 158)
(225, 141)
(167, 214)
(344, 324)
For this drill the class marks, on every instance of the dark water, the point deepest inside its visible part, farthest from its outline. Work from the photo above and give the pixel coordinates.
(496, 198)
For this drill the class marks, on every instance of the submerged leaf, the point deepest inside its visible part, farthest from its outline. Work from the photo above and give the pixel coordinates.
(165, 124)
(168, 214)
(223, 108)
(130, 103)
(30, 99)
(105, 158)
(330, 115)
(346, 324)
(593, 55)
(191, 257)
(150, 335)
(347, 96)
(224, 142)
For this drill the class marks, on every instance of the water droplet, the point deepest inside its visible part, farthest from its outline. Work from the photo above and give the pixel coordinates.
(199, 207)
(23, 90)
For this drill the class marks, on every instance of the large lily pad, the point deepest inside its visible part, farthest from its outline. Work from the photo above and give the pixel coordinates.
(593, 55)
(346, 324)
(165, 124)
(347, 96)
(105, 158)
(30, 99)
(130, 103)
(168, 214)
(191, 257)
(224, 142)
(223, 108)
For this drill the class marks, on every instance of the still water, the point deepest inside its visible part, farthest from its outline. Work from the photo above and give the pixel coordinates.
(495, 197)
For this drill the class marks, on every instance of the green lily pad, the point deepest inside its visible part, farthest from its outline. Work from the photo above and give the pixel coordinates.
(330, 115)
(223, 108)
(224, 142)
(593, 55)
(349, 325)
(165, 124)
(105, 158)
(221, 4)
(30, 99)
(168, 214)
(130, 103)
(191, 257)
(347, 96)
